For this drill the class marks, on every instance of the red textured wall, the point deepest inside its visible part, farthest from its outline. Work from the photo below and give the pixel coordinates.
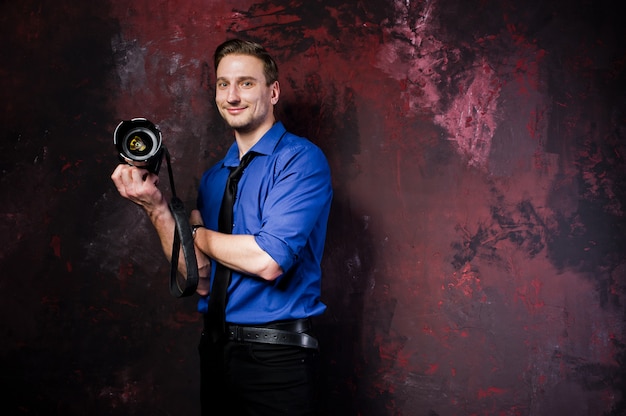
(476, 256)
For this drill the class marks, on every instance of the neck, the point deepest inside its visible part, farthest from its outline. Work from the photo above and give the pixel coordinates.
(246, 139)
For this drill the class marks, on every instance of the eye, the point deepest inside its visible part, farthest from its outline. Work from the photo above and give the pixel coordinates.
(222, 85)
(247, 84)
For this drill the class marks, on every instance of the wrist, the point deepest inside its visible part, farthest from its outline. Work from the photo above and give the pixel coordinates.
(158, 212)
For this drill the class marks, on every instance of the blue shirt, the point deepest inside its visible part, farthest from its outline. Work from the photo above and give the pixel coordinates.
(283, 200)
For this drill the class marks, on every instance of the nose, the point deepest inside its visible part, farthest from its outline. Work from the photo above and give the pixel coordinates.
(232, 95)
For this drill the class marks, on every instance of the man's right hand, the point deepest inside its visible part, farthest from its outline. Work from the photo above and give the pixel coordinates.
(139, 186)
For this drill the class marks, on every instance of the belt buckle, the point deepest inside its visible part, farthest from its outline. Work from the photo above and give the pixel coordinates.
(236, 333)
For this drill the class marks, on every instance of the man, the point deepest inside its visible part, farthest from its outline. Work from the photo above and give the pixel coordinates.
(258, 359)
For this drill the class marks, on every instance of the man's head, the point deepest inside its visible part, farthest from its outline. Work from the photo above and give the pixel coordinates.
(243, 47)
(246, 88)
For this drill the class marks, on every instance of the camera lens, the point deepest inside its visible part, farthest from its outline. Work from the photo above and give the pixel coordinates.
(139, 143)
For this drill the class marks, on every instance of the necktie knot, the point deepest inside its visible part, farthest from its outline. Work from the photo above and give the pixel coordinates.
(225, 220)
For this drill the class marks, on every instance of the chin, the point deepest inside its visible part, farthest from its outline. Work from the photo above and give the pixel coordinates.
(236, 122)
(242, 127)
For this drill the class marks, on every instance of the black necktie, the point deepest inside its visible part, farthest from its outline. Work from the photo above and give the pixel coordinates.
(217, 300)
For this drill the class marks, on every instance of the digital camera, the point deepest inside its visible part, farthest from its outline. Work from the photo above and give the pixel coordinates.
(139, 143)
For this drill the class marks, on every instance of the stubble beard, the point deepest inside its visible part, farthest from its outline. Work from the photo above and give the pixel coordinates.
(242, 125)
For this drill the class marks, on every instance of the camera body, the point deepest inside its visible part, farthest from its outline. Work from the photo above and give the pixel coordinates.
(139, 143)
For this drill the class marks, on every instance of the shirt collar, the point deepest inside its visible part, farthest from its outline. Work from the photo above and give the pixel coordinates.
(264, 146)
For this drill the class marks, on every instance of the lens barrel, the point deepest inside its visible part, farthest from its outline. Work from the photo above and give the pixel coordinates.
(139, 143)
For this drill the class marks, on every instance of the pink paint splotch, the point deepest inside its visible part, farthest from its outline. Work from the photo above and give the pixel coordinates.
(471, 119)
(420, 61)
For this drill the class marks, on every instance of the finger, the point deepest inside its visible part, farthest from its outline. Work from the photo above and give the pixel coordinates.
(195, 217)
(152, 178)
(117, 173)
(121, 189)
(118, 179)
(137, 175)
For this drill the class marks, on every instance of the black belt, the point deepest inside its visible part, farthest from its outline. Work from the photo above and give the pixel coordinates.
(282, 333)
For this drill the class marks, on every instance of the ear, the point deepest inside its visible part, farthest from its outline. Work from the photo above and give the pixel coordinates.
(275, 92)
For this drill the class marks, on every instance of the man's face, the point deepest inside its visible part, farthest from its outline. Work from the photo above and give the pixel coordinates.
(242, 95)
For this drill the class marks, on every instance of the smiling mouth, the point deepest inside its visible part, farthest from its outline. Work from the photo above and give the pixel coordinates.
(235, 111)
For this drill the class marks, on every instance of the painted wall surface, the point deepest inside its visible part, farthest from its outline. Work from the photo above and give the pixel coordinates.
(476, 256)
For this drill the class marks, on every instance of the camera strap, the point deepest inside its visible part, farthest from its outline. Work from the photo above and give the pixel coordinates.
(182, 238)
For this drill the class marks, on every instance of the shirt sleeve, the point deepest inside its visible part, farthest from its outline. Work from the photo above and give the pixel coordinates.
(300, 194)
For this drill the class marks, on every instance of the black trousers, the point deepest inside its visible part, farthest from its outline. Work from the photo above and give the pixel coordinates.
(255, 379)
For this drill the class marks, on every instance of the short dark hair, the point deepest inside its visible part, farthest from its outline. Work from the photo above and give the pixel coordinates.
(244, 47)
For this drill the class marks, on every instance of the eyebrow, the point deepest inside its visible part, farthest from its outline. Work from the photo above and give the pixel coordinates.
(239, 79)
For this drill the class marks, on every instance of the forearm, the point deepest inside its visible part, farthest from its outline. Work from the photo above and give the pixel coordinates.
(163, 221)
(140, 187)
(238, 252)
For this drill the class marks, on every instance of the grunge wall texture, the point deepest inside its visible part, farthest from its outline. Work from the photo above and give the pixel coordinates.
(476, 256)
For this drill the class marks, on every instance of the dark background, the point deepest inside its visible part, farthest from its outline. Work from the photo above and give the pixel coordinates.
(476, 259)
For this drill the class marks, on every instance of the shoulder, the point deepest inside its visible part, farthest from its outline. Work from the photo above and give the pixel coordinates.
(299, 158)
(214, 168)
(216, 172)
(296, 148)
